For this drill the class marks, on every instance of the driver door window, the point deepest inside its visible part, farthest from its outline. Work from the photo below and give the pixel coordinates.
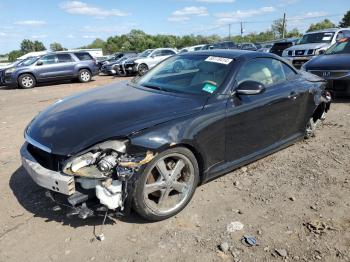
(267, 71)
(49, 60)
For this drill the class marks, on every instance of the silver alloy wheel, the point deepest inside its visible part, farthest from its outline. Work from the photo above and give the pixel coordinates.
(27, 81)
(85, 76)
(169, 183)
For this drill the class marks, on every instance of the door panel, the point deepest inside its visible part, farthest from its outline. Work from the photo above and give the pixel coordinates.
(255, 122)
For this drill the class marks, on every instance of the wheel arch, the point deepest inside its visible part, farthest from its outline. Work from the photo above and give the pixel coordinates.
(26, 73)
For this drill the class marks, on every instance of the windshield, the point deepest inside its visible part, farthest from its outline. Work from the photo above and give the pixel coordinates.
(342, 47)
(28, 61)
(316, 38)
(146, 53)
(190, 74)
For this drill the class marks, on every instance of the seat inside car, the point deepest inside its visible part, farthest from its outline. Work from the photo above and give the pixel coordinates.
(209, 71)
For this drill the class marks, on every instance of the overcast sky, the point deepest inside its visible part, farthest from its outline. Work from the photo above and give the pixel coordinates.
(77, 23)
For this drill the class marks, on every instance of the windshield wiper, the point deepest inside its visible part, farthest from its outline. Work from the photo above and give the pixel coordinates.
(152, 86)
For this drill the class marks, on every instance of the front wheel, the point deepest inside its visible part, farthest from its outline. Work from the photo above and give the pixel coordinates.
(143, 68)
(84, 76)
(166, 185)
(26, 81)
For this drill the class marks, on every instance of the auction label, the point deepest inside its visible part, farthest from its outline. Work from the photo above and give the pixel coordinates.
(220, 60)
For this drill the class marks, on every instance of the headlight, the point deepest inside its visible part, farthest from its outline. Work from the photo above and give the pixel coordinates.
(10, 70)
(285, 53)
(320, 51)
(97, 161)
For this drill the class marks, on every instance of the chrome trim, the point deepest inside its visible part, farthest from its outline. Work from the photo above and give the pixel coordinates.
(36, 144)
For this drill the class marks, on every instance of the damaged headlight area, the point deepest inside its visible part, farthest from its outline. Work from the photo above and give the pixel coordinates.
(107, 168)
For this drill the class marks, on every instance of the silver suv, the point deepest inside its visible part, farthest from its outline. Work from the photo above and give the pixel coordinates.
(313, 44)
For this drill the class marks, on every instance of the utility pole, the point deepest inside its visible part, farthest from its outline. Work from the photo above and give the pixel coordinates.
(242, 29)
(229, 32)
(284, 25)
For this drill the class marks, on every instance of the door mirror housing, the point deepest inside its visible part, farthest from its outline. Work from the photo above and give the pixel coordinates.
(250, 88)
(39, 63)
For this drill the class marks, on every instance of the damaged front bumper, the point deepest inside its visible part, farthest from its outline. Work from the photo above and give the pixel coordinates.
(87, 182)
(52, 180)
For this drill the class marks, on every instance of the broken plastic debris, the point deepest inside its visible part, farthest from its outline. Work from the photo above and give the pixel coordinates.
(101, 237)
(234, 226)
(149, 156)
(249, 241)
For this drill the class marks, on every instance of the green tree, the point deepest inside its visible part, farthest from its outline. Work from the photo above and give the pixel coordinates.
(325, 24)
(278, 28)
(13, 55)
(345, 22)
(28, 46)
(39, 46)
(56, 47)
(294, 33)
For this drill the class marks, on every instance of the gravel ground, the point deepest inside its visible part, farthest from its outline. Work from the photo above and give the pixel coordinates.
(295, 203)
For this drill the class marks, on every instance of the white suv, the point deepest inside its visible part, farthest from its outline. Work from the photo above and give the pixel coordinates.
(313, 44)
(150, 59)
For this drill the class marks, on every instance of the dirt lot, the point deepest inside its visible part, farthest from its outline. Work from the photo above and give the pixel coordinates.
(296, 203)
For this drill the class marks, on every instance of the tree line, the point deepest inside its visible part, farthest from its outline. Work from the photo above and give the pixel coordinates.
(137, 40)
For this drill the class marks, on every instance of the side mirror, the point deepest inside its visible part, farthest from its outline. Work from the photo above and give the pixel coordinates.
(250, 88)
(39, 63)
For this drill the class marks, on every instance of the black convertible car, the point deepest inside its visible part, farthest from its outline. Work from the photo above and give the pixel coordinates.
(149, 143)
(334, 66)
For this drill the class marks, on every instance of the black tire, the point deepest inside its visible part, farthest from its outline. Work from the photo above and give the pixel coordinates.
(141, 202)
(142, 69)
(84, 76)
(26, 81)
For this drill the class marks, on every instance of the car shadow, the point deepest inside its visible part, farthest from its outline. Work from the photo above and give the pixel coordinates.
(33, 199)
(51, 83)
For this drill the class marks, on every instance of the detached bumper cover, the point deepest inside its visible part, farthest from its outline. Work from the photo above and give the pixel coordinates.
(46, 178)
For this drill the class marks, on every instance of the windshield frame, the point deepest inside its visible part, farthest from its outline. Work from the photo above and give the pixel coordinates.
(222, 87)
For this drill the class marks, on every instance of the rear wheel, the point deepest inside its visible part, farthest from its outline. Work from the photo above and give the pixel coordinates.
(26, 81)
(166, 185)
(143, 68)
(84, 76)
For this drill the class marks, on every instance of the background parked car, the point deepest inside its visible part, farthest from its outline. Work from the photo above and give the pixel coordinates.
(108, 68)
(207, 47)
(225, 45)
(52, 67)
(334, 66)
(112, 59)
(313, 44)
(191, 48)
(265, 48)
(248, 46)
(147, 60)
(278, 47)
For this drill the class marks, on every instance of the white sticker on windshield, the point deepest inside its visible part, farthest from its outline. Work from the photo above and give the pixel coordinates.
(220, 60)
(326, 38)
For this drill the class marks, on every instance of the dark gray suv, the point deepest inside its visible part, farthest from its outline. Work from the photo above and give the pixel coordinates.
(51, 67)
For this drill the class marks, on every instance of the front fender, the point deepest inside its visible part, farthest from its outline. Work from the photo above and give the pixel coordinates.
(203, 132)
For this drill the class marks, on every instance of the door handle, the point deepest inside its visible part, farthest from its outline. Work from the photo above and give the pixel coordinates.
(293, 95)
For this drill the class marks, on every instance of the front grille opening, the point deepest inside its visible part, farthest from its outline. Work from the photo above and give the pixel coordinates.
(47, 160)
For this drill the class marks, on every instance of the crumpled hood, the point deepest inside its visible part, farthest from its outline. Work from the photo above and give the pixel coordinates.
(114, 111)
(329, 62)
(308, 46)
